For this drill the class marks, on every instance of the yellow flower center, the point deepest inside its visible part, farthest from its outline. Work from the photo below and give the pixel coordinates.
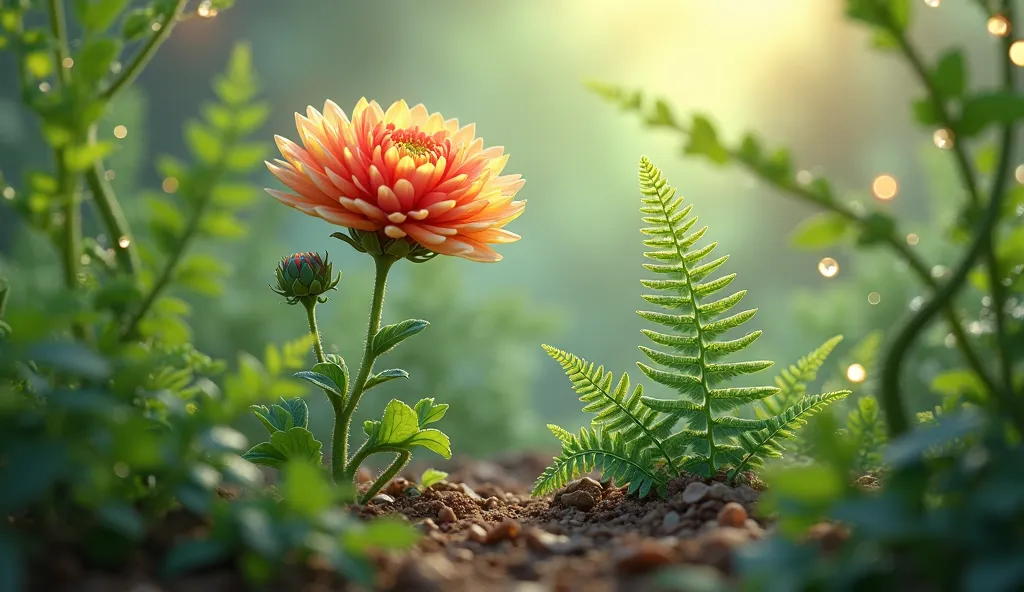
(414, 143)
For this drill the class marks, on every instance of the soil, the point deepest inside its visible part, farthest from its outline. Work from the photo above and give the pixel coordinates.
(483, 532)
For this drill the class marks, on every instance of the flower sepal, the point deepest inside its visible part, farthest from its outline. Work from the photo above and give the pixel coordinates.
(376, 245)
(304, 277)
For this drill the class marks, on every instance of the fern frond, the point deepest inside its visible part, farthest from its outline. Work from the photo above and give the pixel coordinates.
(608, 452)
(866, 427)
(618, 409)
(767, 441)
(793, 381)
(696, 317)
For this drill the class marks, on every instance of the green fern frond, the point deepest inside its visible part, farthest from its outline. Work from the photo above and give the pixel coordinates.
(866, 427)
(608, 452)
(793, 381)
(697, 319)
(767, 441)
(617, 409)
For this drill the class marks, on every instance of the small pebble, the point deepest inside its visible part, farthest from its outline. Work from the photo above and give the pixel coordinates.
(670, 522)
(397, 486)
(476, 533)
(446, 514)
(695, 492)
(648, 556)
(363, 475)
(461, 553)
(507, 530)
(581, 500)
(591, 486)
(381, 499)
(732, 514)
(492, 503)
(754, 528)
(539, 540)
(747, 493)
(721, 491)
(428, 525)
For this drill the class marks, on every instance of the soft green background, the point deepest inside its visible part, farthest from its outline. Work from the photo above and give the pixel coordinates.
(791, 69)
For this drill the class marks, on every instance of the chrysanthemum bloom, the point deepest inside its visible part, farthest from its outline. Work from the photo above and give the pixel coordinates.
(403, 173)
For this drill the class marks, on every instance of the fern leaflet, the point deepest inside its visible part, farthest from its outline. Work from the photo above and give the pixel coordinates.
(607, 451)
(792, 381)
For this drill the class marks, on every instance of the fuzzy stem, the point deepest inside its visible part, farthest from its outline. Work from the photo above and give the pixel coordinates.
(343, 420)
(310, 305)
(397, 465)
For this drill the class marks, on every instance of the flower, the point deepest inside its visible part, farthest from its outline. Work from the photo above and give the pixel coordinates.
(304, 275)
(404, 174)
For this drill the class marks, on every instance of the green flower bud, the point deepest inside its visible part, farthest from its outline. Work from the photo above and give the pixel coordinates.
(305, 276)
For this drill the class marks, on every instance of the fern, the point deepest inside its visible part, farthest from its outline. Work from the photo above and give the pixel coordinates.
(622, 462)
(866, 427)
(634, 438)
(792, 381)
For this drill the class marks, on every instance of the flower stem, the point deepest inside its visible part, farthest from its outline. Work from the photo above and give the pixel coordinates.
(310, 305)
(343, 420)
(397, 465)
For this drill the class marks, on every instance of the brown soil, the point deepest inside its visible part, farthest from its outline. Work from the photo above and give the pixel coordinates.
(484, 532)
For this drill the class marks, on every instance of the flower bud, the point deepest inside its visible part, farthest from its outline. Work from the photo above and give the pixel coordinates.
(305, 276)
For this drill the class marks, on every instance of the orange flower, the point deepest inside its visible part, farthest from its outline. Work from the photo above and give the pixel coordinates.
(405, 173)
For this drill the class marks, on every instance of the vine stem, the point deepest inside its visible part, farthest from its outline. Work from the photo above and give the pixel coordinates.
(343, 420)
(895, 414)
(135, 67)
(970, 180)
(310, 305)
(396, 465)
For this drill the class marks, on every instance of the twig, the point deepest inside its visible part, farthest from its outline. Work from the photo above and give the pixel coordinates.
(132, 70)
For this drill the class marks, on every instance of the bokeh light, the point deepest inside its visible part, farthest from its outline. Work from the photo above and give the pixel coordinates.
(828, 267)
(885, 187)
(856, 373)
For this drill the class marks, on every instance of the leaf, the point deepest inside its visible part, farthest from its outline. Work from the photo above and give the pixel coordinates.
(222, 225)
(275, 418)
(94, 60)
(265, 454)
(592, 449)
(39, 63)
(30, 469)
(297, 409)
(820, 231)
(96, 16)
(433, 440)
(384, 376)
(79, 158)
(193, 555)
(204, 143)
(949, 77)
(400, 428)
(912, 447)
(432, 476)
(297, 443)
(703, 141)
(122, 518)
(428, 413)
(136, 23)
(322, 381)
(877, 227)
(957, 383)
(305, 488)
(337, 371)
(391, 335)
(71, 358)
(982, 110)
(925, 112)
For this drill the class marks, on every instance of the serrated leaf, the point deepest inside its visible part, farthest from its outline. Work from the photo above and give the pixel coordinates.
(297, 409)
(391, 335)
(433, 440)
(265, 454)
(398, 424)
(204, 143)
(820, 231)
(337, 372)
(427, 412)
(384, 376)
(322, 381)
(297, 443)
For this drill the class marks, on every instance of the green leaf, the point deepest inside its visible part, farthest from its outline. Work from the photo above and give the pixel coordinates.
(820, 231)
(925, 112)
(959, 383)
(297, 409)
(877, 228)
(94, 60)
(193, 555)
(80, 158)
(246, 156)
(400, 428)
(949, 77)
(982, 110)
(96, 16)
(122, 518)
(39, 63)
(432, 476)
(275, 418)
(433, 440)
(265, 454)
(391, 335)
(321, 381)
(222, 225)
(297, 444)
(136, 23)
(204, 143)
(703, 141)
(306, 489)
(384, 376)
(337, 371)
(427, 412)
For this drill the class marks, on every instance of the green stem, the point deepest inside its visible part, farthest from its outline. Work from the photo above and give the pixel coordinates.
(59, 28)
(134, 68)
(397, 465)
(310, 305)
(112, 214)
(970, 180)
(66, 179)
(343, 420)
(1002, 175)
(892, 404)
